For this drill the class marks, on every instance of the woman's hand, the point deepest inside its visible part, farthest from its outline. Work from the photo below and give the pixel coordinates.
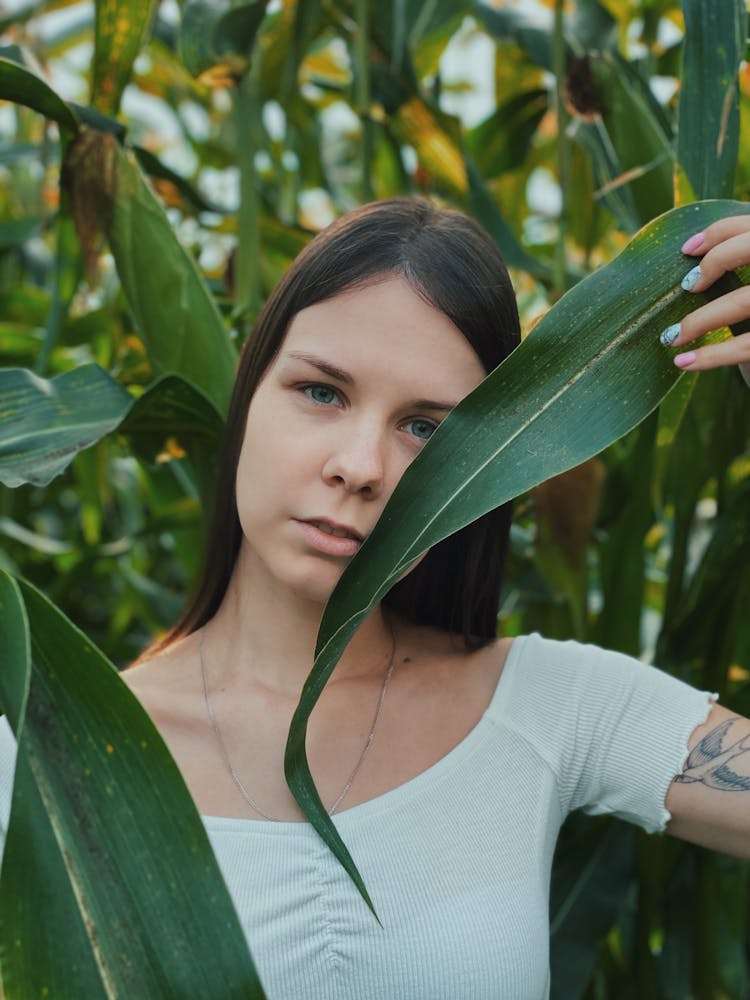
(722, 247)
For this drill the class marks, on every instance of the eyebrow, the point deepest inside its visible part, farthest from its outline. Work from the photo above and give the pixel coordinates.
(343, 376)
(324, 366)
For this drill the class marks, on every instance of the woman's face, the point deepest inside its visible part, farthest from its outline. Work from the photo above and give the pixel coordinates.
(359, 384)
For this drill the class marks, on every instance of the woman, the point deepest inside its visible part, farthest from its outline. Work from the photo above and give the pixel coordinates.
(448, 757)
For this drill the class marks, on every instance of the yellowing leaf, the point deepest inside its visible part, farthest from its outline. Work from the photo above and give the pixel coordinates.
(121, 28)
(324, 66)
(438, 154)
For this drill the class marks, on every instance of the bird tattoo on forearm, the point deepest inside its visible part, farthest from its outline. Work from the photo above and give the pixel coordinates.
(716, 765)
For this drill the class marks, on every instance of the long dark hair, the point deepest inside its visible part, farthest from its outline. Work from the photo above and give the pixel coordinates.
(452, 263)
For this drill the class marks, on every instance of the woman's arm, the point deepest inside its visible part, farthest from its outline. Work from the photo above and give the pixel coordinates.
(710, 800)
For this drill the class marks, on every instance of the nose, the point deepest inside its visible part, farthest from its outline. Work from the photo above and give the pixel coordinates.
(357, 463)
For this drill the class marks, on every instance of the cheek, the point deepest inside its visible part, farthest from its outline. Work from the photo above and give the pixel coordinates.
(255, 470)
(273, 466)
(260, 443)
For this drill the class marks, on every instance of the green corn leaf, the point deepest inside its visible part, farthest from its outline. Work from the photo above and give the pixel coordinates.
(217, 36)
(15, 232)
(588, 26)
(532, 34)
(486, 211)
(136, 894)
(712, 587)
(171, 406)
(154, 167)
(32, 863)
(614, 196)
(709, 117)
(15, 688)
(121, 27)
(173, 419)
(23, 86)
(177, 319)
(67, 275)
(308, 22)
(594, 866)
(502, 141)
(592, 26)
(623, 560)
(45, 423)
(89, 116)
(41, 543)
(590, 371)
(31, 859)
(630, 141)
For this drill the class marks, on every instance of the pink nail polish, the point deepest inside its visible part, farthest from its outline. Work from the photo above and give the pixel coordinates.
(693, 244)
(685, 360)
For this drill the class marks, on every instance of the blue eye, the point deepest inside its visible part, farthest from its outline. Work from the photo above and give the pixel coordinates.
(422, 429)
(322, 394)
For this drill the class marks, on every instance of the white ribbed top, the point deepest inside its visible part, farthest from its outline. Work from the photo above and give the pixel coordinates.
(457, 861)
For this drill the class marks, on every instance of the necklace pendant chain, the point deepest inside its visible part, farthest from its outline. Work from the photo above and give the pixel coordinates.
(225, 754)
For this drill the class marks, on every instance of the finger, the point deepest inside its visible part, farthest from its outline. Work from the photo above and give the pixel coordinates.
(700, 243)
(733, 307)
(731, 253)
(735, 351)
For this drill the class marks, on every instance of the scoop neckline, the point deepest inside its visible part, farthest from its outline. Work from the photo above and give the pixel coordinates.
(393, 797)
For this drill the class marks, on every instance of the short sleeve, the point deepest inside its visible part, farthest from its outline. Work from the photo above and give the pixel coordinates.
(613, 730)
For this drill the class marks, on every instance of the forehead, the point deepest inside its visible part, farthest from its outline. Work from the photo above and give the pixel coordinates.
(386, 328)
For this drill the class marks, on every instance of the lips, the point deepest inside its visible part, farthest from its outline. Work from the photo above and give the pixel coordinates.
(329, 538)
(335, 530)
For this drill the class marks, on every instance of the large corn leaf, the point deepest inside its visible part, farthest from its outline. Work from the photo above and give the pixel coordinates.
(108, 875)
(45, 423)
(591, 370)
(21, 84)
(176, 317)
(708, 123)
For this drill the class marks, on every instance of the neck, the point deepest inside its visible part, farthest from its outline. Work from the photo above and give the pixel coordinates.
(265, 635)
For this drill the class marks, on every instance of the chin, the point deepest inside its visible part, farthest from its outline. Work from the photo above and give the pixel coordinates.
(315, 586)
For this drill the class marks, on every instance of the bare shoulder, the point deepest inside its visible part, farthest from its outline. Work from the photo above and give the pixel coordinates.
(168, 684)
(447, 663)
(488, 663)
(443, 692)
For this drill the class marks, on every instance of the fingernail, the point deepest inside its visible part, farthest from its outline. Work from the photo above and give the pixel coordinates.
(668, 336)
(692, 278)
(691, 245)
(685, 360)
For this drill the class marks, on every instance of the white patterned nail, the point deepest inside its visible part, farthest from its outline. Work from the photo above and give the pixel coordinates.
(692, 278)
(668, 336)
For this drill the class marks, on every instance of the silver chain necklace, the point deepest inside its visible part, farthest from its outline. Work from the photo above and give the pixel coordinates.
(225, 755)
